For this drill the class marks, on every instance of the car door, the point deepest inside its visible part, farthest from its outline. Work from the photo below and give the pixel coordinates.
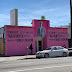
(58, 51)
(53, 52)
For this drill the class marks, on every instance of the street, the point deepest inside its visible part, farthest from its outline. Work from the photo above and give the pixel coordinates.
(57, 64)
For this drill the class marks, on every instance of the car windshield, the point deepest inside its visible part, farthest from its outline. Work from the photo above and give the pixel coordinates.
(48, 49)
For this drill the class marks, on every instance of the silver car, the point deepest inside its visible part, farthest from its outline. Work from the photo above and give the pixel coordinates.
(52, 52)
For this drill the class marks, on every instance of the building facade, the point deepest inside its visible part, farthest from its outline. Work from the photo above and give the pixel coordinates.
(41, 36)
(69, 33)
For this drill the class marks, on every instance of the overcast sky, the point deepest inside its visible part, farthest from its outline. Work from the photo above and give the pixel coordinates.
(57, 11)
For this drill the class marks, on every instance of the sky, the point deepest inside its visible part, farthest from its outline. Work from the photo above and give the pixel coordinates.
(57, 11)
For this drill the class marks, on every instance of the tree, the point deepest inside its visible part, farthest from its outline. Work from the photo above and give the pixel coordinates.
(31, 22)
(42, 17)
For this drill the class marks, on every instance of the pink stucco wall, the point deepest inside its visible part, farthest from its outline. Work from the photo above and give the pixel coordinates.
(54, 36)
(44, 43)
(19, 37)
(17, 40)
(57, 37)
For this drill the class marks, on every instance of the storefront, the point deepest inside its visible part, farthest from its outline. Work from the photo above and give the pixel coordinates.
(40, 36)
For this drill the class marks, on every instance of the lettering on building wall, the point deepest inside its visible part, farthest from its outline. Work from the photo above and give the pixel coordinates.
(20, 36)
(58, 36)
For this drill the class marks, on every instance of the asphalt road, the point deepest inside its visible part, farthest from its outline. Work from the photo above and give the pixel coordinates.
(59, 64)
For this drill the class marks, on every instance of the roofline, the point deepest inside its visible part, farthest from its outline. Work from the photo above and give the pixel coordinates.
(19, 26)
(57, 28)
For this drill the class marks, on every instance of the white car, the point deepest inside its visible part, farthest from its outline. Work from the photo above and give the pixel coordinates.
(52, 52)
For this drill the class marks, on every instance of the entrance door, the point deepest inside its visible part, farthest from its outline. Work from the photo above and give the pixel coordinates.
(40, 45)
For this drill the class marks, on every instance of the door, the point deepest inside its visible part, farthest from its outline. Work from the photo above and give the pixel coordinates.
(40, 45)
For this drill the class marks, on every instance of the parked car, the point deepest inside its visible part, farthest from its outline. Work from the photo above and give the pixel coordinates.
(70, 51)
(52, 52)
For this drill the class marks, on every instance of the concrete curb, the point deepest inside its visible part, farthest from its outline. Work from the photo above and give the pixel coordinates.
(11, 58)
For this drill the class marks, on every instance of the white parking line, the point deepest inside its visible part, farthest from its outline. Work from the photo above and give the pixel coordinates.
(40, 68)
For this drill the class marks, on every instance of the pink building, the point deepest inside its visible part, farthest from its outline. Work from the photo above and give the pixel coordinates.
(40, 35)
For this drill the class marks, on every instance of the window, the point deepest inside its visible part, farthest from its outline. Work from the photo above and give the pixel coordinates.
(48, 49)
(60, 48)
(55, 48)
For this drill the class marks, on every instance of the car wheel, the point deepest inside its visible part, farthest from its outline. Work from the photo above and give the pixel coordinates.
(36, 57)
(46, 55)
(64, 54)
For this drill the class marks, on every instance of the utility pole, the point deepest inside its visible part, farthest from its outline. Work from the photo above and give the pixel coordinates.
(71, 20)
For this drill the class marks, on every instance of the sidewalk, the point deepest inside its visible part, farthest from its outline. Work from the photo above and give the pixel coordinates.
(11, 58)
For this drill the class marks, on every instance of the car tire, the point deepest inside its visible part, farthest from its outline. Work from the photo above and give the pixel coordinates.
(46, 55)
(37, 57)
(64, 54)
